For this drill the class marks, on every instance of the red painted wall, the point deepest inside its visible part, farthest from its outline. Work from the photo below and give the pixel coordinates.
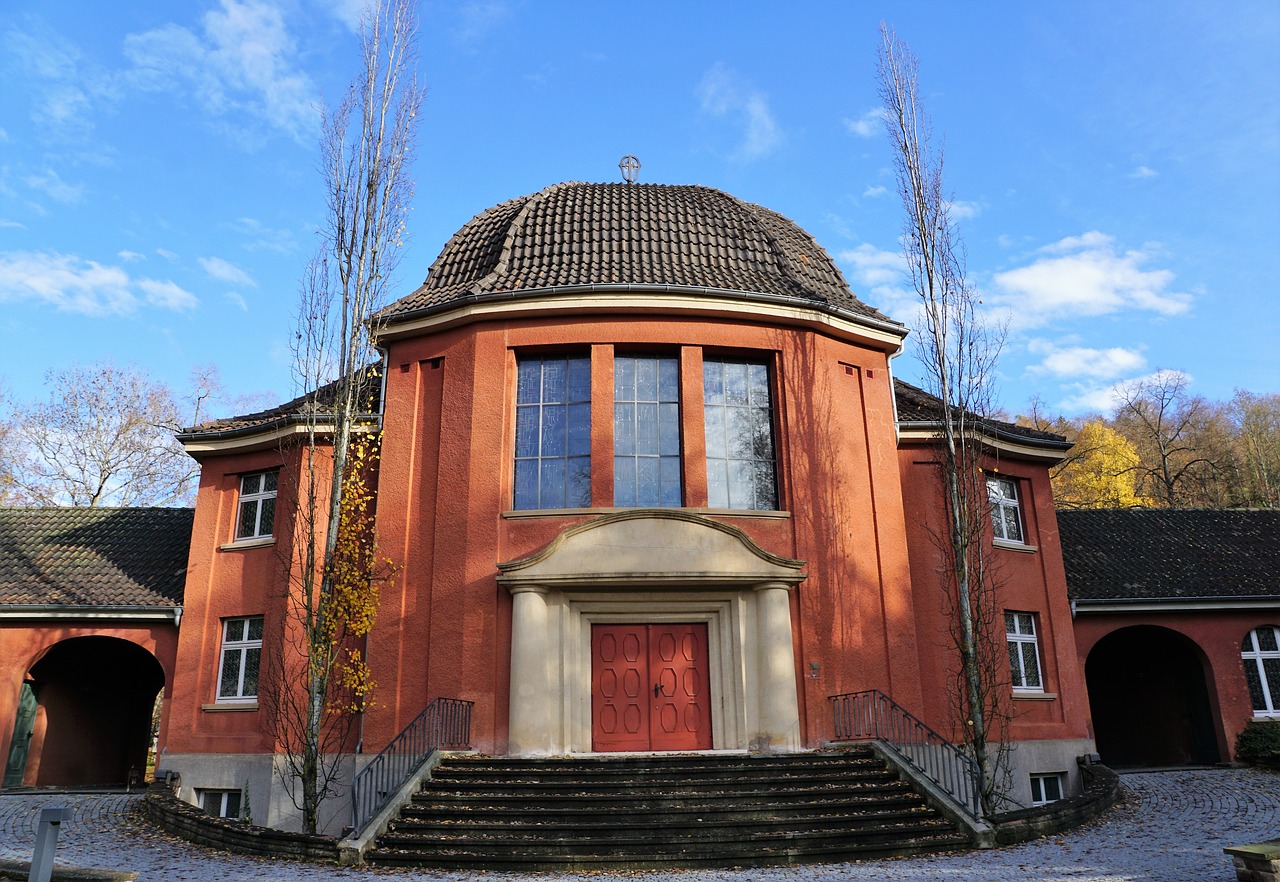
(1217, 635)
(24, 644)
(446, 481)
(1031, 580)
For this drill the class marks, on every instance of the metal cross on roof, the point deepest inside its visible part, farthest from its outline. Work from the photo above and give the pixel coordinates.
(630, 168)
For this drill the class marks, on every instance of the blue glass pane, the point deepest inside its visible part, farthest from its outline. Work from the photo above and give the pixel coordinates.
(529, 382)
(763, 440)
(668, 379)
(647, 486)
(578, 494)
(670, 480)
(579, 429)
(624, 379)
(527, 430)
(742, 491)
(526, 484)
(758, 382)
(554, 431)
(713, 382)
(555, 377)
(579, 379)
(624, 429)
(624, 481)
(551, 484)
(647, 428)
(766, 486)
(646, 379)
(717, 483)
(739, 432)
(669, 429)
(735, 383)
(715, 432)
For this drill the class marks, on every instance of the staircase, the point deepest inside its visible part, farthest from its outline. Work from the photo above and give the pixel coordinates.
(655, 812)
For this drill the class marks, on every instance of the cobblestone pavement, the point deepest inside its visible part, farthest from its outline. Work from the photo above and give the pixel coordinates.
(1172, 828)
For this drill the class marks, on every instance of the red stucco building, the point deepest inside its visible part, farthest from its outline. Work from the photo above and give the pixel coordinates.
(638, 440)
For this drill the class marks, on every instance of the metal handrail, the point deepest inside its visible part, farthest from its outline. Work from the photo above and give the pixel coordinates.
(873, 716)
(445, 724)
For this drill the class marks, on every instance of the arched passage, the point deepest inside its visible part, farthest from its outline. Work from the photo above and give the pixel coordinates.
(1149, 700)
(95, 697)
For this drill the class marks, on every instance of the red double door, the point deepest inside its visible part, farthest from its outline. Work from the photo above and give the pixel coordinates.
(650, 687)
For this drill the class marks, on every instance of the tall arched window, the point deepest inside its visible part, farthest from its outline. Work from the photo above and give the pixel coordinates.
(1260, 650)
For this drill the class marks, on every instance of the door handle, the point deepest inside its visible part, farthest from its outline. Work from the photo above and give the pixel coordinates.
(657, 691)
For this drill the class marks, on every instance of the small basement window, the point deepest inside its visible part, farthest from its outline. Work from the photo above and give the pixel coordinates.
(1046, 787)
(220, 803)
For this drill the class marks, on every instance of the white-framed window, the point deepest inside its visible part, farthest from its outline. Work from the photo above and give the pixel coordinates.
(646, 432)
(1260, 651)
(553, 433)
(221, 803)
(240, 660)
(1024, 651)
(257, 513)
(1046, 787)
(738, 411)
(1006, 517)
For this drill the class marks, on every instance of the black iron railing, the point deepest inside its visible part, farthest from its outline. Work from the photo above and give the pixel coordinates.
(444, 725)
(874, 716)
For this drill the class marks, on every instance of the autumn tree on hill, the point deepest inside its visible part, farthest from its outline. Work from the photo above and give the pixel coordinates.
(1100, 473)
(1256, 421)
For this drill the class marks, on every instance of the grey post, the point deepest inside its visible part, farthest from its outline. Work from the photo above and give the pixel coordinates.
(46, 844)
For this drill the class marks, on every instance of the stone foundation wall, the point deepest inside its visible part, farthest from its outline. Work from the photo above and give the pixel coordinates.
(190, 823)
(1101, 792)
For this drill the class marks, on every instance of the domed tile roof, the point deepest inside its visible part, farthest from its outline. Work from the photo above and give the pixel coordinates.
(679, 239)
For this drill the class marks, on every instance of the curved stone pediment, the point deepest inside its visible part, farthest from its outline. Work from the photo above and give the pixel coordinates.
(651, 547)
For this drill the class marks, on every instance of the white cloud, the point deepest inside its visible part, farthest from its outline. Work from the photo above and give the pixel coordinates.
(1143, 172)
(875, 192)
(723, 93)
(60, 90)
(167, 295)
(225, 271)
(964, 210)
(1083, 361)
(242, 63)
(52, 185)
(236, 298)
(262, 236)
(72, 284)
(880, 279)
(1085, 276)
(478, 18)
(348, 12)
(868, 125)
(1103, 399)
(130, 256)
(167, 254)
(5, 223)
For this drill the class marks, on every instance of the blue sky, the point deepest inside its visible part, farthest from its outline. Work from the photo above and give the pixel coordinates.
(1115, 166)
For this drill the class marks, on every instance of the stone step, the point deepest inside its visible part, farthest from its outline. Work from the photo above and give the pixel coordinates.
(652, 812)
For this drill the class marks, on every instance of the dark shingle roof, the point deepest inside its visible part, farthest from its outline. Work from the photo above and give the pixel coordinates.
(918, 406)
(283, 414)
(579, 234)
(94, 556)
(1140, 554)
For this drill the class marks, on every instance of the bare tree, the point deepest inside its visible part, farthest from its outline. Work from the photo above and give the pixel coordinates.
(1162, 421)
(958, 351)
(367, 144)
(1256, 419)
(104, 435)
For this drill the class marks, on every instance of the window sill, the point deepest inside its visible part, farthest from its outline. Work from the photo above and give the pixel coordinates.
(1035, 696)
(713, 512)
(1014, 546)
(245, 544)
(1265, 717)
(230, 707)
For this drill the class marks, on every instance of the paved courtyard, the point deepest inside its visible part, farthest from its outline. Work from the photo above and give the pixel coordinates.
(1171, 829)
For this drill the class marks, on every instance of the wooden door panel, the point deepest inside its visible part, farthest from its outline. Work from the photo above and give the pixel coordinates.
(650, 687)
